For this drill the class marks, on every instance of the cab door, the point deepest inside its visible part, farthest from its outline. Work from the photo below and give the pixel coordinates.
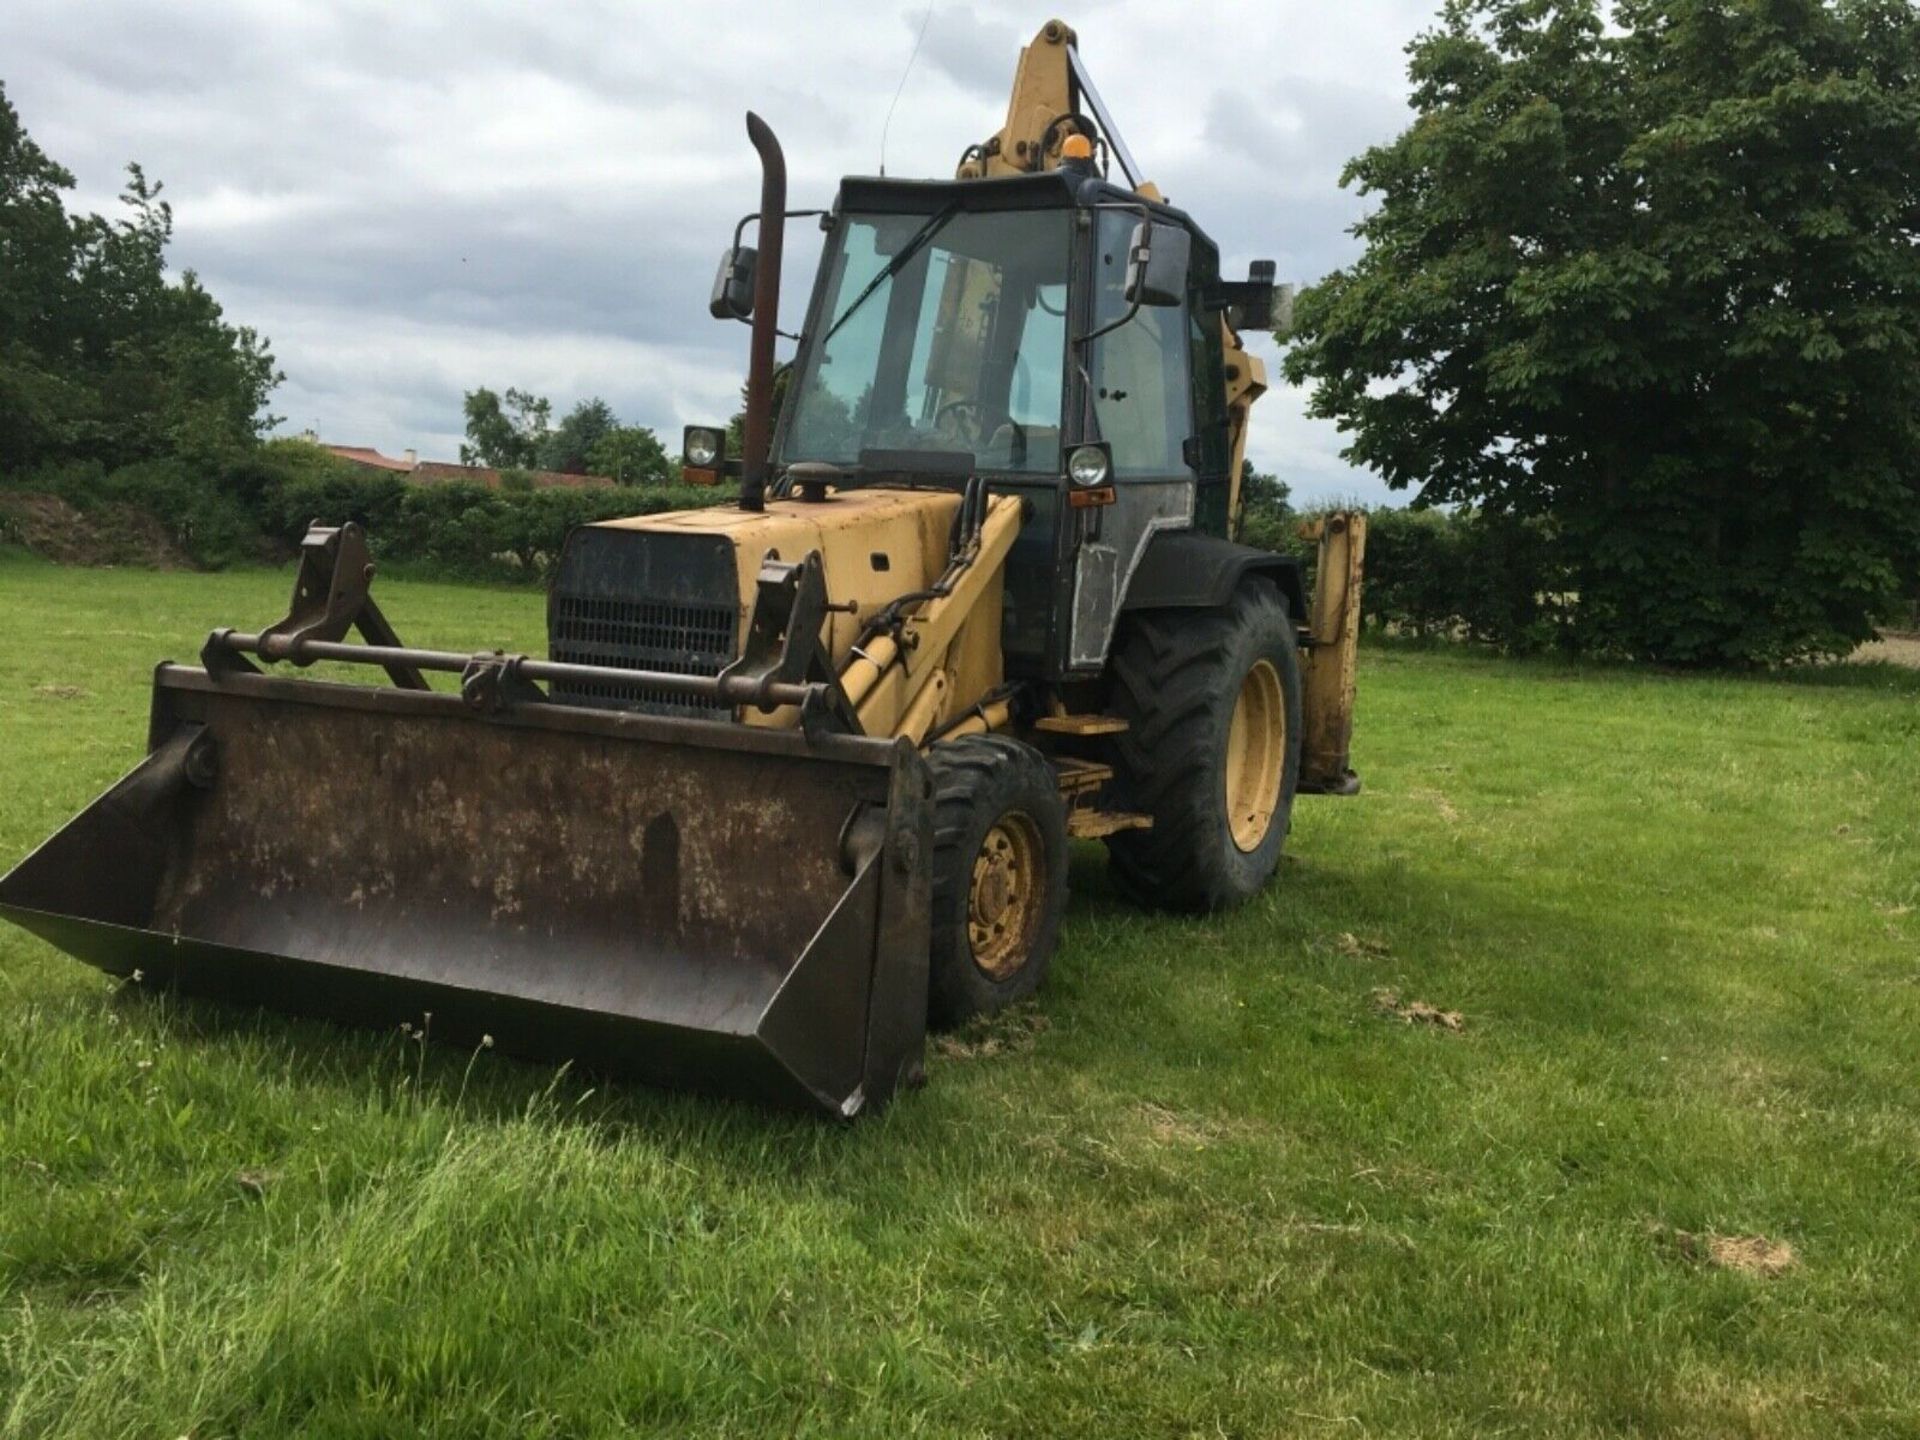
(1140, 400)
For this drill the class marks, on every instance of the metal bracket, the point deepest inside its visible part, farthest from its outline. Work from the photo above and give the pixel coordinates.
(219, 658)
(331, 595)
(493, 681)
(783, 645)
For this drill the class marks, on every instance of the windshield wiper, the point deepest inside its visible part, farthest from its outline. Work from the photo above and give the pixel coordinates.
(894, 266)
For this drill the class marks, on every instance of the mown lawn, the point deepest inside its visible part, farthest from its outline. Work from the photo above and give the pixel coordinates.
(1207, 1187)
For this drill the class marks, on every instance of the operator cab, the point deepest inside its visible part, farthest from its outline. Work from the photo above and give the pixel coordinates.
(957, 318)
(1053, 333)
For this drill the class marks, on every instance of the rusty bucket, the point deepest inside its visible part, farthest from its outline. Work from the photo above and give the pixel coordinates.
(695, 903)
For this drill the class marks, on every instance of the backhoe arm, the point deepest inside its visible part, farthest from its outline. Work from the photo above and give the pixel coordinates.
(1042, 97)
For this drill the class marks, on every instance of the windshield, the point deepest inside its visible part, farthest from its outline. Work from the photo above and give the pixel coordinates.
(939, 333)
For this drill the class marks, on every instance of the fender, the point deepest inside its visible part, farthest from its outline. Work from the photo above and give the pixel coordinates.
(1187, 570)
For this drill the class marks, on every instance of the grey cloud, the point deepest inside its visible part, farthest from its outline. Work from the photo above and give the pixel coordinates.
(977, 54)
(411, 200)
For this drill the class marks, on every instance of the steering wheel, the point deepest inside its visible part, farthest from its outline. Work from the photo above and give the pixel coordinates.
(972, 407)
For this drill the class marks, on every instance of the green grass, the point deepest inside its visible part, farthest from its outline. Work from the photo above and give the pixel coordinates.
(1216, 1192)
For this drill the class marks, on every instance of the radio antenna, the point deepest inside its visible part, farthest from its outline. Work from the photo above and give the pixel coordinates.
(914, 55)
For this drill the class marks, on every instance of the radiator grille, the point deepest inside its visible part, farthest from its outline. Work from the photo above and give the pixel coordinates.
(678, 639)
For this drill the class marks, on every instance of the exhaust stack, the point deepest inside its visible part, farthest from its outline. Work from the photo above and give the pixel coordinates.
(766, 314)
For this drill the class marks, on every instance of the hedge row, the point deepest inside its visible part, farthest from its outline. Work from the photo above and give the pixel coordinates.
(1457, 574)
(1449, 574)
(256, 507)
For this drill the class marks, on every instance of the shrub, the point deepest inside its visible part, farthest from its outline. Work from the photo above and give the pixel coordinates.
(1454, 574)
(258, 506)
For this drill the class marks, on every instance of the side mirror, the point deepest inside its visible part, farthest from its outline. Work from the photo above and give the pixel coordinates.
(733, 284)
(1157, 264)
(1280, 320)
(1252, 305)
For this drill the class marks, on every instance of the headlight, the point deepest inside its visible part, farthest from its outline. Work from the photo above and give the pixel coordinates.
(1089, 466)
(703, 446)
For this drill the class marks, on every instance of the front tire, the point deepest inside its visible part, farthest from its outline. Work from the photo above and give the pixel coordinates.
(1211, 751)
(999, 875)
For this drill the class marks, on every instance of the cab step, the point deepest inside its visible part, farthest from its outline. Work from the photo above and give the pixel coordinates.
(1081, 724)
(1081, 782)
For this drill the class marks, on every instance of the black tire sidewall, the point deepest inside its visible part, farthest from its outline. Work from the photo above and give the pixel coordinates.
(977, 781)
(1247, 870)
(1181, 711)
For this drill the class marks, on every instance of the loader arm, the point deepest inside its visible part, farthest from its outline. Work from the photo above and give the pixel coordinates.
(943, 660)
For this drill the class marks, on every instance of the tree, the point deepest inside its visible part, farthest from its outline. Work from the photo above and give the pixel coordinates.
(737, 424)
(505, 434)
(103, 357)
(567, 446)
(1266, 508)
(1659, 280)
(632, 455)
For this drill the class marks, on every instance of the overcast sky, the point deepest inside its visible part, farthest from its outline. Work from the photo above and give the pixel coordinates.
(414, 199)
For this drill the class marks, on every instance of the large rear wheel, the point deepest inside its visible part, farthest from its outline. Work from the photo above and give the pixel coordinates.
(1212, 748)
(999, 875)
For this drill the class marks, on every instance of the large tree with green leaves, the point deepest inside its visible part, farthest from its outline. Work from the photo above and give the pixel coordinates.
(1658, 279)
(505, 433)
(566, 447)
(632, 455)
(103, 356)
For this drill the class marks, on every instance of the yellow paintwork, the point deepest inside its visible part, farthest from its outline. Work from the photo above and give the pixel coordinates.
(1326, 709)
(1256, 756)
(1041, 94)
(954, 660)
(1246, 376)
(848, 528)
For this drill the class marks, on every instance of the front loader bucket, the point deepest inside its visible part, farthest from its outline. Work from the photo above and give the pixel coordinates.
(694, 903)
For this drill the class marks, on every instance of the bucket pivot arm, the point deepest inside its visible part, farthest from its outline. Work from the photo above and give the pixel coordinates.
(332, 594)
(783, 647)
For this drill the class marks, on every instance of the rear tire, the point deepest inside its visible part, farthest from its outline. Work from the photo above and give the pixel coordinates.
(999, 875)
(1212, 748)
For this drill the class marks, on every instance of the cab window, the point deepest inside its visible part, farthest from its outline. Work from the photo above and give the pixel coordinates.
(1141, 395)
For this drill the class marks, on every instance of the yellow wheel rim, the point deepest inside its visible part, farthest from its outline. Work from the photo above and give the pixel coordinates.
(1003, 908)
(1256, 756)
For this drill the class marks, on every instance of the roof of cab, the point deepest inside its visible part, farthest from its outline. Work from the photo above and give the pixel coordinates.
(1044, 190)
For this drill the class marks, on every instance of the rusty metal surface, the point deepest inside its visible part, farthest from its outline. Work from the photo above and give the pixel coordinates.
(695, 903)
(331, 596)
(306, 652)
(766, 315)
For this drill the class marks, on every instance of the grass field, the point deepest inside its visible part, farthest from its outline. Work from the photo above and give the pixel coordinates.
(1664, 1177)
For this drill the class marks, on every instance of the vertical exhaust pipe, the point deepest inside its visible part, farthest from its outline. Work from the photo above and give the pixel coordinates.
(766, 314)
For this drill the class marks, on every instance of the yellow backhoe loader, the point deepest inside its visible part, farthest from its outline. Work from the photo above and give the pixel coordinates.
(799, 774)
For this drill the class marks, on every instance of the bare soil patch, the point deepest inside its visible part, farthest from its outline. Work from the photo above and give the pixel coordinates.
(1007, 1033)
(1746, 1254)
(1387, 1002)
(1361, 947)
(1168, 1126)
(103, 535)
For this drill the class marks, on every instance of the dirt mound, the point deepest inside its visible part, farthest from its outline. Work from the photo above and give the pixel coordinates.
(104, 535)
